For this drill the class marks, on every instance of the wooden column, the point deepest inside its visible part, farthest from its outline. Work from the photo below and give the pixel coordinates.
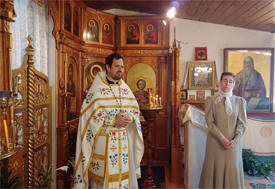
(176, 153)
(6, 15)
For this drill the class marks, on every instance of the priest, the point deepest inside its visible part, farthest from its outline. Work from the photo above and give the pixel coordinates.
(109, 140)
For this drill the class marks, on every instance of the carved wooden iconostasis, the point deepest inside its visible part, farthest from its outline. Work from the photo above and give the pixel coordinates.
(84, 38)
(32, 122)
(25, 153)
(144, 43)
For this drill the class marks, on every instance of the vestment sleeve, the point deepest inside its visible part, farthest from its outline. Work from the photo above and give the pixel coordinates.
(210, 119)
(241, 121)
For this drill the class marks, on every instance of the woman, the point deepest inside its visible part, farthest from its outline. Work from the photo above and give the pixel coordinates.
(225, 116)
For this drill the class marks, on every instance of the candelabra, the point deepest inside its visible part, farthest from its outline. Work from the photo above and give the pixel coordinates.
(154, 102)
(7, 142)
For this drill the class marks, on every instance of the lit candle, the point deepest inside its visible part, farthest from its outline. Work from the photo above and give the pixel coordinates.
(6, 134)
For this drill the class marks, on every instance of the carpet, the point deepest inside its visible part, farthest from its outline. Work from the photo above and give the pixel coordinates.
(271, 177)
(262, 186)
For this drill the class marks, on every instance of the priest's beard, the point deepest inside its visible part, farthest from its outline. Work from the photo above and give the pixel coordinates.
(116, 76)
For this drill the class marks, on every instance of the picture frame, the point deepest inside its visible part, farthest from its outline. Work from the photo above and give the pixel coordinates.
(201, 75)
(254, 70)
(183, 94)
(200, 95)
(150, 31)
(132, 33)
(191, 97)
(200, 53)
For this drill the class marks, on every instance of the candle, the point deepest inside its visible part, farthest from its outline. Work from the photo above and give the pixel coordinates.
(65, 64)
(157, 99)
(6, 134)
(150, 97)
(160, 101)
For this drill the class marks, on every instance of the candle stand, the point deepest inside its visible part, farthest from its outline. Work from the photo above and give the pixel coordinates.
(7, 139)
(150, 113)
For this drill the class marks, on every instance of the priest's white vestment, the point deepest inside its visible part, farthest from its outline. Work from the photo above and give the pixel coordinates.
(108, 156)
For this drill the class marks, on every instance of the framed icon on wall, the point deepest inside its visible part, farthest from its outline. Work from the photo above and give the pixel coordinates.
(200, 53)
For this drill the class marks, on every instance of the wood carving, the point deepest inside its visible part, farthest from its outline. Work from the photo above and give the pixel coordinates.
(32, 119)
(41, 3)
(95, 41)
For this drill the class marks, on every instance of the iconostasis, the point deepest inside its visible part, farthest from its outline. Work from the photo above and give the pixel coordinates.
(84, 38)
(144, 43)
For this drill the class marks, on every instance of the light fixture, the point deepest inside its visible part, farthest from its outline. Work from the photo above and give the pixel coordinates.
(171, 12)
(164, 22)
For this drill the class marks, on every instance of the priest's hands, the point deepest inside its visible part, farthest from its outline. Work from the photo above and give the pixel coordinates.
(228, 144)
(122, 119)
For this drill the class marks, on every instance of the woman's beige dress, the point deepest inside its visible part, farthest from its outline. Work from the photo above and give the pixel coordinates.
(223, 168)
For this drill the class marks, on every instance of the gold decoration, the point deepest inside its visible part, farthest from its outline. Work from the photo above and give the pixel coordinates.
(106, 27)
(92, 23)
(32, 116)
(95, 67)
(149, 28)
(30, 112)
(41, 3)
(7, 10)
(7, 147)
(6, 26)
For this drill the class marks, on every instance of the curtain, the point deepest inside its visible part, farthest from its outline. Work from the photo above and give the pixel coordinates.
(31, 20)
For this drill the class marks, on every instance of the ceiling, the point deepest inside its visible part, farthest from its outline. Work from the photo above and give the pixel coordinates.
(251, 14)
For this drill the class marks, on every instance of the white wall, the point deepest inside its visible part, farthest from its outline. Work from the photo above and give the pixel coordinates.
(215, 37)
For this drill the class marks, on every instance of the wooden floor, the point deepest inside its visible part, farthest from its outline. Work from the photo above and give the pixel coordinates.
(169, 183)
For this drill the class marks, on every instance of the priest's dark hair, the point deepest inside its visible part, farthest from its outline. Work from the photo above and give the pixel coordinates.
(109, 59)
(228, 73)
